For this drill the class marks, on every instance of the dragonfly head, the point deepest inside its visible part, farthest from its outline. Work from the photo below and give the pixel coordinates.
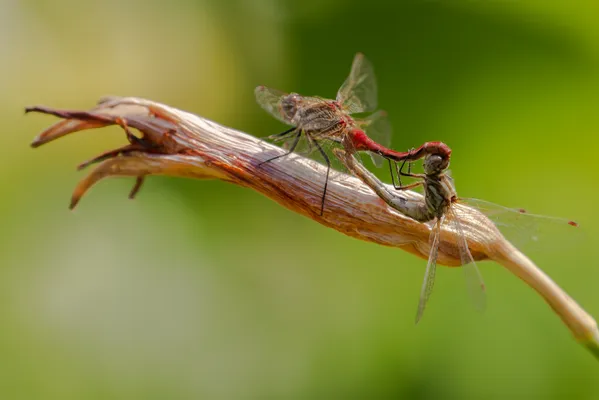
(435, 164)
(289, 105)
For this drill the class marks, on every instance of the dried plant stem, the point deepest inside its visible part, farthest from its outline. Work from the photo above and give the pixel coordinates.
(177, 143)
(580, 323)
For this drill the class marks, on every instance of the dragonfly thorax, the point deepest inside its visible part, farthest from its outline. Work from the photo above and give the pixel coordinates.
(439, 193)
(321, 119)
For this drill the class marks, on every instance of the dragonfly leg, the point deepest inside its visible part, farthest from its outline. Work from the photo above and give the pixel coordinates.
(398, 185)
(291, 149)
(281, 135)
(400, 173)
(326, 182)
(410, 186)
(409, 173)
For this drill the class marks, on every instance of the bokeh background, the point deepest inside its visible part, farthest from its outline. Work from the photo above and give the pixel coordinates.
(207, 290)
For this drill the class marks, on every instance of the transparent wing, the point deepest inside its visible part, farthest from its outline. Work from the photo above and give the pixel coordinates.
(526, 229)
(270, 100)
(504, 215)
(378, 128)
(359, 92)
(431, 269)
(474, 279)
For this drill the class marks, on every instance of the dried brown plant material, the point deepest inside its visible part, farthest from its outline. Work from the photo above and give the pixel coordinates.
(177, 143)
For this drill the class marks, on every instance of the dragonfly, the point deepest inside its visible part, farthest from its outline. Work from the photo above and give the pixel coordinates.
(440, 200)
(318, 119)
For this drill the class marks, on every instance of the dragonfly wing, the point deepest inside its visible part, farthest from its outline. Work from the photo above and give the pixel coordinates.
(533, 231)
(378, 128)
(431, 269)
(474, 279)
(377, 160)
(359, 91)
(270, 100)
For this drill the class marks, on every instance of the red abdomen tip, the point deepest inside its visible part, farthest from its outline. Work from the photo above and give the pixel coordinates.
(572, 223)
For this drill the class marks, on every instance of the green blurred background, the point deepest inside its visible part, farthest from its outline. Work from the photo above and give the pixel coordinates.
(208, 290)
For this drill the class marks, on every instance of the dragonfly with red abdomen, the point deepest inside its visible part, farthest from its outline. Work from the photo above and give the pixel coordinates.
(318, 119)
(442, 205)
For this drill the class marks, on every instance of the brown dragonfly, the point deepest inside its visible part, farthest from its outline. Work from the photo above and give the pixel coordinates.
(438, 205)
(317, 119)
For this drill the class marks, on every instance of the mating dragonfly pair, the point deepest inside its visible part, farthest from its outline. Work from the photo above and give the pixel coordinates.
(318, 120)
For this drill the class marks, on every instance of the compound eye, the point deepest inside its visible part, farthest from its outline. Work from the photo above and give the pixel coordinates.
(433, 163)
